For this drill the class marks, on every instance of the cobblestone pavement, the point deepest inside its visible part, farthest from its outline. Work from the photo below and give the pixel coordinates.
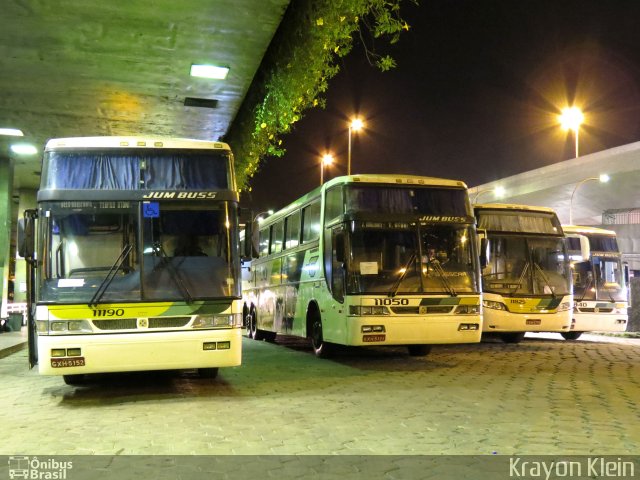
(542, 396)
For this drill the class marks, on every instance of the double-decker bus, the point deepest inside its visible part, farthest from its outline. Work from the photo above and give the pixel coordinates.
(133, 257)
(526, 279)
(369, 260)
(600, 292)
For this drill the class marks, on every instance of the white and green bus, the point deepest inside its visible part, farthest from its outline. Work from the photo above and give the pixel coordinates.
(369, 260)
(526, 279)
(133, 257)
(600, 279)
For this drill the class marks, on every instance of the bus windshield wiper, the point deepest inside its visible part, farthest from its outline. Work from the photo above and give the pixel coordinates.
(435, 264)
(538, 269)
(111, 274)
(394, 289)
(173, 272)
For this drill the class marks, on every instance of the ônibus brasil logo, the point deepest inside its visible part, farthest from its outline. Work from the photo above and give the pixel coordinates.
(35, 468)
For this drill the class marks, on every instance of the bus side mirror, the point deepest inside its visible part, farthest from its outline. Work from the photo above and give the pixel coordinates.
(585, 248)
(26, 235)
(625, 269)
(483, 247)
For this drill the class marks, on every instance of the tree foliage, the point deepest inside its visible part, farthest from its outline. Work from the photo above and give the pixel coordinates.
(297, 68)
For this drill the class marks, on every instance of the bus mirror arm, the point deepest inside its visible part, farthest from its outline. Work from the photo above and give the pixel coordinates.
(484, 248)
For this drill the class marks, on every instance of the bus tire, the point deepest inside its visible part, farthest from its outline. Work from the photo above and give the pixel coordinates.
(514, 337)
(571, 335)
(321, 348)
(419, 350)
(209, 373)
(249, 322)
(77, 379)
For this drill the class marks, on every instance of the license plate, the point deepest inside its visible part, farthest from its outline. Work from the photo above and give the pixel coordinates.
(373, 338)
(67, 362)
(534, 322)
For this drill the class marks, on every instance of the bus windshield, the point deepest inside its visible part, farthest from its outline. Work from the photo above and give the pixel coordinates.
(393, 260)
(97, 252)
(521, 265)
(601, 278)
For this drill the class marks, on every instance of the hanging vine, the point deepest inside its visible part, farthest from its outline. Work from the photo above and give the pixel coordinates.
(298, 66)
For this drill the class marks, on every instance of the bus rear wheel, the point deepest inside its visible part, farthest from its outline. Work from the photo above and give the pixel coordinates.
(515, 337)
(252, 326)
(571, 335)
(419, 350)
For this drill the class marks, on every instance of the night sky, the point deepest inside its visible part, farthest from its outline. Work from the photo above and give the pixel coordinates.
(475, 95)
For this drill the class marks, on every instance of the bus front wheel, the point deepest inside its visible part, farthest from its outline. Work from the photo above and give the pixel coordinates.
(210, 373)
(515, 337)
(419, 350)
(320, 347)
(77, 379)
(571, 335)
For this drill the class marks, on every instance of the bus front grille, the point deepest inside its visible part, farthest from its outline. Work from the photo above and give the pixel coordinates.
(423, 310)
(595, 310)
(168, 322)
(116, 324)
(143, 323)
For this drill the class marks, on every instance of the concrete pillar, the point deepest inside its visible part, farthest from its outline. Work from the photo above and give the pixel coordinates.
(6, 220)
(27, 200)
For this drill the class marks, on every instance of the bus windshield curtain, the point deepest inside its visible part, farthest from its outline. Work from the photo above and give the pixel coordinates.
(82, 171)
(426, 201)
(200, 172)
(517, 223)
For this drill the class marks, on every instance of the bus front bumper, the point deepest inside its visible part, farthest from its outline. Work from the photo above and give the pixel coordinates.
(139, 352)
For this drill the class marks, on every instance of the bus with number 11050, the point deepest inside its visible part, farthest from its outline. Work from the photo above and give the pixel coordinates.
(368, 260)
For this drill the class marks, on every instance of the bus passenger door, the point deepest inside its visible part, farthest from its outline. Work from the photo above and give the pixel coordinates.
(337, 263)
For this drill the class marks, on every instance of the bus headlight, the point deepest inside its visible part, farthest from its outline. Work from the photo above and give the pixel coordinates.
(68, 326)
(217, 321)
(368, 310)
(468, 309)
(493, 305)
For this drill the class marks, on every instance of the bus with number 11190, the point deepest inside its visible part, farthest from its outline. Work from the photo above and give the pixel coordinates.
(133, 260)
(368, 260)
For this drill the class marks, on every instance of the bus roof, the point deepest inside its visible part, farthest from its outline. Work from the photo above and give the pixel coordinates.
(388, 178)
(396, 179)
(133, 142)
(587, 230)
(513, 206)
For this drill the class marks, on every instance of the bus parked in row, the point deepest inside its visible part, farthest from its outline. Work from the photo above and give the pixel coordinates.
(369, 260)
(601, 295)
(133, 257)
(526, 279)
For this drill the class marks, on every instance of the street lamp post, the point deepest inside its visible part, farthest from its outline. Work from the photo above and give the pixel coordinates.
(604, 178)
(355, 125)
(570, 119)
(497, 191)
(327, 159)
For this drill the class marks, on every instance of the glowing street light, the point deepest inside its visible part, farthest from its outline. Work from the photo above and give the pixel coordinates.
(570, 119)
(498, 192)
(355, 125)
(259, 216)
(603, 178)
(327, 159)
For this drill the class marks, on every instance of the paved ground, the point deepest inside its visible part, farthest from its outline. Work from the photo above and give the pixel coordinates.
(543, 396)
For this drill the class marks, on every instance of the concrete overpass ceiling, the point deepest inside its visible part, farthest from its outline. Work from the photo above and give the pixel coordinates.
(78, 68)
(552, 186)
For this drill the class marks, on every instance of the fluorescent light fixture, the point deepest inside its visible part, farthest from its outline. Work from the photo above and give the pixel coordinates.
(11, 132)
(209, 71)
(24, 149)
